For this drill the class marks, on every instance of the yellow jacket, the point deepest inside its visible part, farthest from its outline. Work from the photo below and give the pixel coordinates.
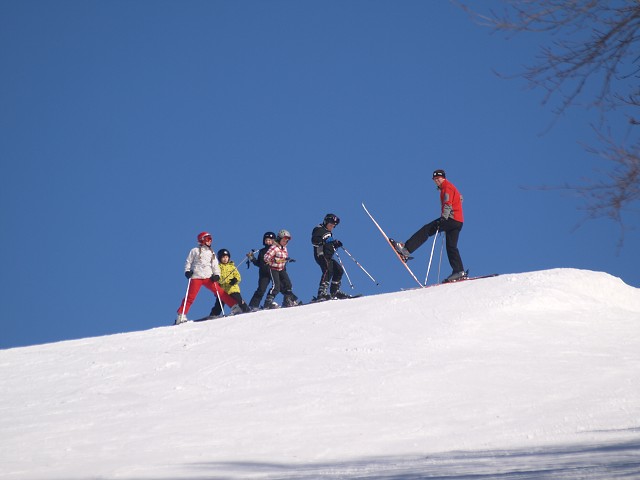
(227, 272)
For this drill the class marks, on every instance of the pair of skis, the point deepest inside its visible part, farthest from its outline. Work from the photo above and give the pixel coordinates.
(386, 237)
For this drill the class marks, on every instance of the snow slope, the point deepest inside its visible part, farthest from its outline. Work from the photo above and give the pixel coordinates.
(533, 375)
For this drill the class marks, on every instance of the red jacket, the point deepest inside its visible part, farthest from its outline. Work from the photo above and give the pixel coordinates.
(451, 201)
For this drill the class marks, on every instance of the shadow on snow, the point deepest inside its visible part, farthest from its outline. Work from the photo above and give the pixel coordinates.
(619, 460)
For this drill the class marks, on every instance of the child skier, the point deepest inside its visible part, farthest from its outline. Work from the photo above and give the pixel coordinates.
(202, 269)
(276, 259)
(264, 273)
(324, 247)
(230, 281)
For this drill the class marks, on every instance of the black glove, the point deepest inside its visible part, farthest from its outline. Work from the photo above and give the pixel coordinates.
(291, 260)
(188, 273)
(336, 244)
(215, 278)
(233, 281)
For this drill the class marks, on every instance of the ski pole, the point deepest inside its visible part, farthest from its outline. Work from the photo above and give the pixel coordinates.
(361, 267)
(219, 300)
(441, 250)
(431, 256)
(244, 260)
(229, 274)
(250, 257)
(184, 304)
(344, 269)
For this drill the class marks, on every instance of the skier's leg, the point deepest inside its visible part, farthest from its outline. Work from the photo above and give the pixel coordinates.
(237, 296)
(264, 280)
(336, 278)
(453, 253)
(323, 286)
(275, 290)
(217, 309)
(219, 291)
(290, 298)
(194, 288)
(421, 236)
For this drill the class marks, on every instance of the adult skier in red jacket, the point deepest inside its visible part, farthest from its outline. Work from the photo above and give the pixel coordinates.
(450, 222)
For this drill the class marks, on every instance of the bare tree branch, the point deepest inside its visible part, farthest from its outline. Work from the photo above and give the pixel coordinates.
(591, 58)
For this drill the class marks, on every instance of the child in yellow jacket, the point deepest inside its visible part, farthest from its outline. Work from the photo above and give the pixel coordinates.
(229, 281)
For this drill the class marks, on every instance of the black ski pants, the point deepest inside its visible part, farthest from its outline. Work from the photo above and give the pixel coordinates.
(264, 279)
(281, 284)
(451, 228)
(332, 272)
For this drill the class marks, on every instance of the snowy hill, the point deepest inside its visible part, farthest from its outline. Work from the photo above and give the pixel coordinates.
(533, 375)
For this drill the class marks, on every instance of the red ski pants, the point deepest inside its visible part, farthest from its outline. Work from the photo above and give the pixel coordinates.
(194, 288)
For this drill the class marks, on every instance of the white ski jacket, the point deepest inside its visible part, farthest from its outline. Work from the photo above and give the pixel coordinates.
(202, 262)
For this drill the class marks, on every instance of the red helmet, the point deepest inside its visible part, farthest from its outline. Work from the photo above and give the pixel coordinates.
(202, 236)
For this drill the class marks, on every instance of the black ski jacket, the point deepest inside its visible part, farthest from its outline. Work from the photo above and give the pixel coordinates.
(259, 260)
(319, 238)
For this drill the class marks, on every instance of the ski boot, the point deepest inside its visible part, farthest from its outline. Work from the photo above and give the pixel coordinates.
(340, 295)
(236, 310)
(291, 301)
(269, 303)
(402, 250)
(323, 293)
(455, 277)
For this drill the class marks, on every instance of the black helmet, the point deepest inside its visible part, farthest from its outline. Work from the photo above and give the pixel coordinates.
(222, 252)
(438, 173)
(331, 218)
(266, 235)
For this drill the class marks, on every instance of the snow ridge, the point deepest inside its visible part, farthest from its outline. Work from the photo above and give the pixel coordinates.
(506, 376)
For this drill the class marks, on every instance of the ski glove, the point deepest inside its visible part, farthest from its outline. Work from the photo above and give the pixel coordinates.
(336, 243)
(233, 281)
(188, 273)
(215, 278)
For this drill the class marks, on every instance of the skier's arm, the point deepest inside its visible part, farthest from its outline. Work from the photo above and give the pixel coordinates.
(324, 240)
(268, 257)
(253, 259)
(447, 205)
(189, 261)
(215, 267)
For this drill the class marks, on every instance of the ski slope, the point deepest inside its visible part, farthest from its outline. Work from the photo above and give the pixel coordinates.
(532, 375)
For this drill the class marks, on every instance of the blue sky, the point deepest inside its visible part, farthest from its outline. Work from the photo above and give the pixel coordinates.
(130, 126)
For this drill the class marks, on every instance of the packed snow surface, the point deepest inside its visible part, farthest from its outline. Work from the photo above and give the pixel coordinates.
(533, 375)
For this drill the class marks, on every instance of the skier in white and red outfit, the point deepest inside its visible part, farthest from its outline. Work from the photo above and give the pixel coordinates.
(276, 259)
(203, 270)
